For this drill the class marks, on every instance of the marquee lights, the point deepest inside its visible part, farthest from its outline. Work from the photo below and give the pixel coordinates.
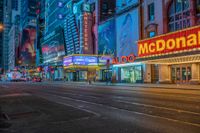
(86, 31)
(173, 42)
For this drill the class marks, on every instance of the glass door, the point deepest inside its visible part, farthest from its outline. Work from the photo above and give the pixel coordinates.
(181, 74)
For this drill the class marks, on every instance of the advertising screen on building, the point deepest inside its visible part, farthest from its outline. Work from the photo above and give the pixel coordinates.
(107, 38)
(122, 4)
(180, 41)
(27, 48)
(127, 33)
(53, 48)
(80, 60)
(67, 61)
(85, 60)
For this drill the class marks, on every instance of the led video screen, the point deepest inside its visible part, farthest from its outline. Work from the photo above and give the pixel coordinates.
(27, 52)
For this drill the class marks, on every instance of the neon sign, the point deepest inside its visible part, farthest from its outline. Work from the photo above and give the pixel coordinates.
(124, 59)
(178, 41)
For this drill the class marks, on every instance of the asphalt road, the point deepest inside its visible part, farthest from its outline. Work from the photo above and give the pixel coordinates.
(112, 109)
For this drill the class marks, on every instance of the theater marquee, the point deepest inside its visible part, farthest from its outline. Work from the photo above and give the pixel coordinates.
(183, 40)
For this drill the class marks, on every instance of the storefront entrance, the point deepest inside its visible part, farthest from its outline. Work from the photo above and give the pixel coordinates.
(133, 74)
(181, 74)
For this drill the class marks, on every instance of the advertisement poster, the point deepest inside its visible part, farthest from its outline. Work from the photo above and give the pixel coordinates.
(127, 33)
(85, 60)
(28, 53)
(107, 40)
(53, 48)
(122, 4)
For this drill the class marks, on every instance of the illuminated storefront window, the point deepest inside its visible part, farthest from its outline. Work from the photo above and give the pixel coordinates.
(179, 15)
(132, 74)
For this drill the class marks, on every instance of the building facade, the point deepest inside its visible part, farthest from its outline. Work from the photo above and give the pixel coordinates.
(28, 13)
(165, 23)
(13, 42)
(7, 25)
(1, 36)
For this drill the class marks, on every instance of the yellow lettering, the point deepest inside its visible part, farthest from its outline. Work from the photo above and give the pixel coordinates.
(152, 47)
(199, 37)
(181, 42)
(192, 40)
(143, 49)
(160, 45)
(170, 44)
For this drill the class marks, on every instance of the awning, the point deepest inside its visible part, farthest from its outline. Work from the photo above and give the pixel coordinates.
(175, 60)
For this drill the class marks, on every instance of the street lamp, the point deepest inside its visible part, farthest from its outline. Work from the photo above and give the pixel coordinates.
(1, 27)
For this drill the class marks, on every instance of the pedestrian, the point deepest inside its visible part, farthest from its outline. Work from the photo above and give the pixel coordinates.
(94, 78)
(64, 78)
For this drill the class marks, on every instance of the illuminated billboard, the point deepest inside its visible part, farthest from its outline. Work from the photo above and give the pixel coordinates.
(53, 47)
(107, 38)
(180, 41)
(27, 47)
(82, 60)
(127, 26)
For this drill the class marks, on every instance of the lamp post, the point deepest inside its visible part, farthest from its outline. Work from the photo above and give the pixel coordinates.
(1, 27)
(1, 30)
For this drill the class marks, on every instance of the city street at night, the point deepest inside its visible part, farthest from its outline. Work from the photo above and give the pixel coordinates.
(64, 107)
(99, 66)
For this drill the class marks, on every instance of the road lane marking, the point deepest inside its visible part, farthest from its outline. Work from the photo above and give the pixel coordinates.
(160, 107)
(135, 112)
(118, 99)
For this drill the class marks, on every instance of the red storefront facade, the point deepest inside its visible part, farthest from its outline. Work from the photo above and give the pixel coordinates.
(166, 47)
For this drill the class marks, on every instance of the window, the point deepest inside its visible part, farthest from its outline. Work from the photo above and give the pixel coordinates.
(151, 12)
(198, 6)
(179, 15)
(152, 34)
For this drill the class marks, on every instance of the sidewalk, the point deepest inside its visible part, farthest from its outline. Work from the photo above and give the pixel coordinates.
(144, 85)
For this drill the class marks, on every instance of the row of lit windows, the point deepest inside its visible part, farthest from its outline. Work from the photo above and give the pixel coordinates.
(179, 15)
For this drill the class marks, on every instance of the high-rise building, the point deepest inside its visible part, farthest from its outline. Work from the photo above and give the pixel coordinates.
(13, 42)
(40, 28)
(28, 13)
(26, 52)
(7, 25)
(1, 36)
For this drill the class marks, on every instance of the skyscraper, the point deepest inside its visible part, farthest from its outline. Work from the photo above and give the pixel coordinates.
(13, 42)
(26, 52)
(1, 35)
(28, 13)
(7, 7)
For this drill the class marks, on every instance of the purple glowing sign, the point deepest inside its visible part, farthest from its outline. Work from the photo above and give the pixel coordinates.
(85, 60)
(80, 60)
(67, 61)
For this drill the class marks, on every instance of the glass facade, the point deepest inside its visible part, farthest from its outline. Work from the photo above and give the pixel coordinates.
(181, 73)
(179, 16)
(132, 74)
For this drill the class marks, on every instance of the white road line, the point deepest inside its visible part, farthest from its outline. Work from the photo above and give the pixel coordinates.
(135, 112)
(143, 92)
(160, 107)
(136, 103)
